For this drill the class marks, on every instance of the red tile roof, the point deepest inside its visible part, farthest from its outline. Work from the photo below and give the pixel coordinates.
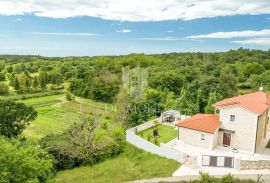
(201, 122)
(256, 102)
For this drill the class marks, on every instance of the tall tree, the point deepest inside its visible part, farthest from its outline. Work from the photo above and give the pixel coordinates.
(27, 83)
(209, 109)
(35, 82)
(17, 84)
(227, 84)
(43, 78)
(185, 105)
(14, 117)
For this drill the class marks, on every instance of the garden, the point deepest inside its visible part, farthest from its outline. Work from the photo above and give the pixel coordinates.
(159, 134)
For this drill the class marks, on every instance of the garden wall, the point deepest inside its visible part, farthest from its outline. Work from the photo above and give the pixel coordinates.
(163, 150)
(143, 126)
(260, 164)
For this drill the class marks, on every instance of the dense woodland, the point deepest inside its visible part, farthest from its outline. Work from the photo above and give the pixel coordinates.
(188, 82)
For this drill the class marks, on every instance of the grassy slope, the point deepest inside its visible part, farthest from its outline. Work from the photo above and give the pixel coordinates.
(166, 133)
(133, 164)
(54, 117)
(56, 114)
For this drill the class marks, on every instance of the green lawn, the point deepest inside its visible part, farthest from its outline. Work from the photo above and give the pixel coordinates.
(51, 119)
(55, 114)
(133, 164)
(44, 101)
(166, 134)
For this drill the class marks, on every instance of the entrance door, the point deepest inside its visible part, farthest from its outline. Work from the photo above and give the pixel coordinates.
(226, 139)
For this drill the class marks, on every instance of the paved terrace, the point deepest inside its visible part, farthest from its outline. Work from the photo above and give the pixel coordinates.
(218, 151)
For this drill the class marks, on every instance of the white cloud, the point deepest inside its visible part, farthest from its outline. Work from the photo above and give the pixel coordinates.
(64, 33)
(124, 31)
(170, 31)
(234, 34)
(135, 10)
(161, 38)
(255, 41)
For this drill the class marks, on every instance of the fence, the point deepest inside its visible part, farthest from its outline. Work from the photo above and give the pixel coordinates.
(162, 150)
(143, 126)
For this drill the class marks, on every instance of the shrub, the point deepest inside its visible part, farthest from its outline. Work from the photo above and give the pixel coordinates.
(2, 76)
(86, 143)
(24, 162)
(4, 89)
(70, 97)
(57, 87)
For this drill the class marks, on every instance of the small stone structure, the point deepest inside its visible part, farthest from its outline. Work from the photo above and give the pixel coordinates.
(260, 164)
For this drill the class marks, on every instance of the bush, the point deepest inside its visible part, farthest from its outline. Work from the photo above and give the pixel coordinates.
(2, 76)
(57, 87)
(84, 144)
(4, 89)
(23, 162)
(70, 97)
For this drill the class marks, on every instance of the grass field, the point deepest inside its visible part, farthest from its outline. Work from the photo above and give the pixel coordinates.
(55, 114)
(44, 101)
(166, 134)
(133, 164)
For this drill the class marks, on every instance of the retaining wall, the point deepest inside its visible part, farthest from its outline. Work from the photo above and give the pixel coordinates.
(260, 164)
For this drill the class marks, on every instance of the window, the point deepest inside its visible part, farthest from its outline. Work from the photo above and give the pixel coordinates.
(203, 137)
(232, 118)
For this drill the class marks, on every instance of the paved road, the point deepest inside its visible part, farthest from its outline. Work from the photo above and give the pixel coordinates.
(265, 178)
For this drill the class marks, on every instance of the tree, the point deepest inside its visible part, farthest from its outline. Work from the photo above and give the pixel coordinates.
(209, 109)
(4, 89)
(43, 78)
(253, 68)
(185, 105)
(105, 88)
(227, 84)
(2, 65)
(27, 83)
(266, 64)
(2, 76)
(23, 162)
(14, 117)
(17, 86)
(35, 82)
(87, 142)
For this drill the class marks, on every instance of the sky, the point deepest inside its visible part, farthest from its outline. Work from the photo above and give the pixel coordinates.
(117, 27)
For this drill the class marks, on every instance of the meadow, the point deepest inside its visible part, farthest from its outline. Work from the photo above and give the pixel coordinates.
(55, 114)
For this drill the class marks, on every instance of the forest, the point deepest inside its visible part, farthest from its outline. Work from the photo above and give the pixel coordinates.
(107, 94)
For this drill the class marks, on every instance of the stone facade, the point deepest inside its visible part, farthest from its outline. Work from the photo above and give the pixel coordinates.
(243, 129)
(193, 137)
(260, 164)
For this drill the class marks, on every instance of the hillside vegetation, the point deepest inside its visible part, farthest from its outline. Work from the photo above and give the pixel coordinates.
(71, 113)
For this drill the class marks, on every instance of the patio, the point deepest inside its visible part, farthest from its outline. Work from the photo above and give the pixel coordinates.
(218, 151)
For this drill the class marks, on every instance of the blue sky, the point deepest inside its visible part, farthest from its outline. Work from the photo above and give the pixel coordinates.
(60, 31)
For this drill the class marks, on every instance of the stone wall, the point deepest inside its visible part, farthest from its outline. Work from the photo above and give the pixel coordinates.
(260, 164)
